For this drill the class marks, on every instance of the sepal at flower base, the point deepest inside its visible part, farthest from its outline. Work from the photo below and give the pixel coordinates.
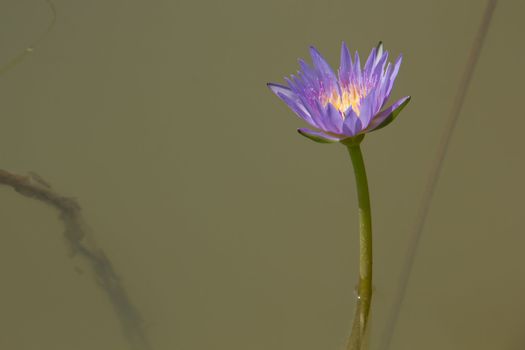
(317, 136)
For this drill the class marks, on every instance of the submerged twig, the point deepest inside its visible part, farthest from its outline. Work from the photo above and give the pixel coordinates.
(436, 169)
(79, 239)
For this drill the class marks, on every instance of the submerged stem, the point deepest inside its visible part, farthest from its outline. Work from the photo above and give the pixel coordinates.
(365, 245)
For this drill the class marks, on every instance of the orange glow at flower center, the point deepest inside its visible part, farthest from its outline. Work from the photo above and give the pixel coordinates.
(350, 97)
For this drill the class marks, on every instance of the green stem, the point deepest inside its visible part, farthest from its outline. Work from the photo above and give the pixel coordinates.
(365, 238)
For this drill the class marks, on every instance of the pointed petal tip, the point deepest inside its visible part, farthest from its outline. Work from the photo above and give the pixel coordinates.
(276, 88)
(316, 55)
(345, 52)
(313, 50)
(404, 100)
(271, 86)
(379, 48)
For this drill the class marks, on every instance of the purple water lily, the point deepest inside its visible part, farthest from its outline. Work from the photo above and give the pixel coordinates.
(347, 104)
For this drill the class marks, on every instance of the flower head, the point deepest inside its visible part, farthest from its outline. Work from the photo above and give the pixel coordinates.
(345, 105)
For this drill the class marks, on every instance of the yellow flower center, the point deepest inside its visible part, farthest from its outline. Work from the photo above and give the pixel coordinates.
(350, 97)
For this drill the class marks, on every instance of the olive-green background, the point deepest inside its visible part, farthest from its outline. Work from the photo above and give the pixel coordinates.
(228, 229)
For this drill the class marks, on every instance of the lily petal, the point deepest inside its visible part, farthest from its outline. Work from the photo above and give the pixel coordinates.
(281, 89)
(370, 62)
(323, 68)
(393, 75)
(357, 69)
(388, 115)
(379, 53)
(345, 68)
(352, 124)
(366, 111)
(333, 119)
(292, 100)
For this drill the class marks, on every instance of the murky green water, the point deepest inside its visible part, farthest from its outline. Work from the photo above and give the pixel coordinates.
(226, 228)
